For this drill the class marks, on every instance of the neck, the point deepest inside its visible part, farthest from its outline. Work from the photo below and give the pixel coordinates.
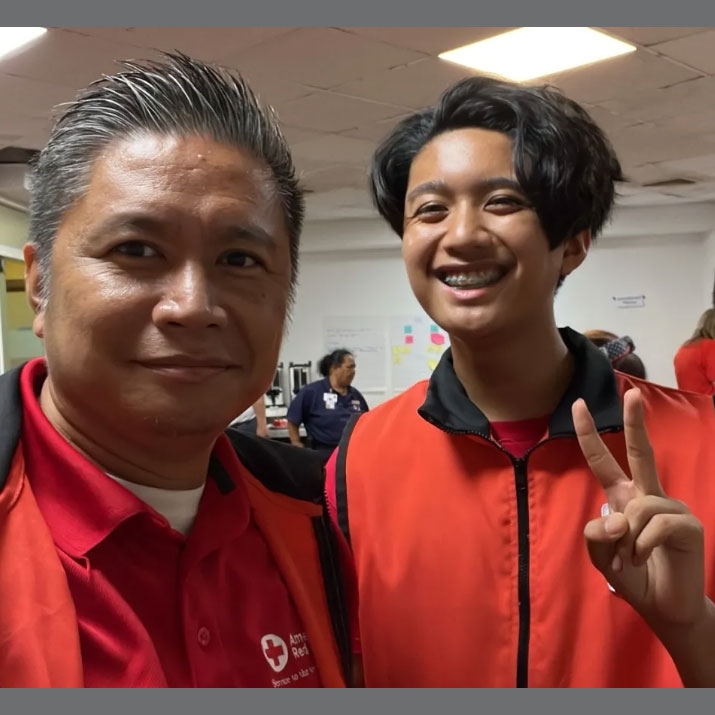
(522, 376)
(137, 460)
(337, 386)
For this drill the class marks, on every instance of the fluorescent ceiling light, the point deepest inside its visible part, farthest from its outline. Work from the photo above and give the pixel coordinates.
(531, 52)
(13, 37)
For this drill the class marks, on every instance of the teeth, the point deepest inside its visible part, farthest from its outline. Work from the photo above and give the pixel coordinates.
(472, 280)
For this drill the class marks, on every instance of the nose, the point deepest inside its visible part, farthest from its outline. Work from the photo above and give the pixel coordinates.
(467, 229)
(188, 300)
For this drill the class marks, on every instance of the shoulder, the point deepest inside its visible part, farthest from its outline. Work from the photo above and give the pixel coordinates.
(665, 403)
(387, 413)
(282, 468)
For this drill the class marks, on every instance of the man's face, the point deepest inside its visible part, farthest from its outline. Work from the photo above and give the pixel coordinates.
(476, 256)
(169, 288)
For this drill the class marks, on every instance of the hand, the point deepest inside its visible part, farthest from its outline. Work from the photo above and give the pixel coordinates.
(262, 431)
(649, 548)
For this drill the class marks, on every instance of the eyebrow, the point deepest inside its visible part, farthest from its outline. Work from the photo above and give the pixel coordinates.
(155, 225)
(440, 186)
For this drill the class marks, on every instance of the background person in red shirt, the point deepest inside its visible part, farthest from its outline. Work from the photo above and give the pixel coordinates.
(694, 362)
(140, 546)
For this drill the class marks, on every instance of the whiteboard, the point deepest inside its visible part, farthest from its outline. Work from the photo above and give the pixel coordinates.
(416, 346)
(366, 339)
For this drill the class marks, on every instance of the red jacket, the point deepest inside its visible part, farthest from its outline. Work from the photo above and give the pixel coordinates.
(471, 565)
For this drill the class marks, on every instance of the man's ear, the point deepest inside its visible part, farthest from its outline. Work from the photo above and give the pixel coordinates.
(33, 288)
(575, 251)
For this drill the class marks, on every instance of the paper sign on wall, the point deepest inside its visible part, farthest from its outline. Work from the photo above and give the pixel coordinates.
(629, 301)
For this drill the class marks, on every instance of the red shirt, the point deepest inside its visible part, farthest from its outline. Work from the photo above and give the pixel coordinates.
(515, 437)
(155, 608)
(520, 436)
(694, 365)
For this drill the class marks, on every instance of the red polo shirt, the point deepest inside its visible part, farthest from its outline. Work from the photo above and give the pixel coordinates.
(155, 608)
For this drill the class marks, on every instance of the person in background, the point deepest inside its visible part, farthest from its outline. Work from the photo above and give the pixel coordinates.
(141, 545)
(694, 362)
(325, 406)
(465, 501)
(620, 352)
(253, 420)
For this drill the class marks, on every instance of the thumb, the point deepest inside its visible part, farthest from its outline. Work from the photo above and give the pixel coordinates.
(602, 536)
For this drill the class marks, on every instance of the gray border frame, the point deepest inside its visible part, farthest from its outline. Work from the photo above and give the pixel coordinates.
(377, 13)
(306, 13)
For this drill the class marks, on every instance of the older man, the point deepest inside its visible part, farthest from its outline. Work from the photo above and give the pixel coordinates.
(139, 544)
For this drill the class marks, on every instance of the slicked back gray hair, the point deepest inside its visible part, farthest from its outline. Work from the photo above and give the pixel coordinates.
(178, 96)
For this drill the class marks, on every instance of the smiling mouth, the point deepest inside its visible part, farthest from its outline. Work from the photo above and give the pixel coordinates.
(473, 279)
(187, 373)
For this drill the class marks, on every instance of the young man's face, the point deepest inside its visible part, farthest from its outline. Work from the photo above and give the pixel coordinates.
(169, 289)
(477, 258)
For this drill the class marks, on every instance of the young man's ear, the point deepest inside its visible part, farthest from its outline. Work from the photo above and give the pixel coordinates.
(33, 288)
(575, 251)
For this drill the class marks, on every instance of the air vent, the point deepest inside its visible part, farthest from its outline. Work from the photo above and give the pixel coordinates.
(16, 155)
(669, 183)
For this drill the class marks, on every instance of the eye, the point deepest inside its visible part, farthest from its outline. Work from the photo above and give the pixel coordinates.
(507, 204)
(238, 259)
(136, 249)
(431, 211)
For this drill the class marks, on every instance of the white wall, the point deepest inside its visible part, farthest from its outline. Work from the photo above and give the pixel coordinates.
(663, 269)
(372, 282)
(708, 269)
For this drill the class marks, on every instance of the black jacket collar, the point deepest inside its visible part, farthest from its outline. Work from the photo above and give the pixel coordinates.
(447, 406)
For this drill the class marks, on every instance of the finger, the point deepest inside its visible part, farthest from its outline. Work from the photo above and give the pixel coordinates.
(679, 532)
(641, 460)
(638, 513)
(600, 461)
(602, 536)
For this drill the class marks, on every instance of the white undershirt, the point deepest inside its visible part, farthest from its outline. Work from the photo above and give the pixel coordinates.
(177, 506)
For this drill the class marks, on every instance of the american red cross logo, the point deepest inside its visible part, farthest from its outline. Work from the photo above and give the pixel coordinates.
(275, 651)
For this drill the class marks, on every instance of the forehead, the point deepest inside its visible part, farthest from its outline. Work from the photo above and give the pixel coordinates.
(460, 152)
(157, 171)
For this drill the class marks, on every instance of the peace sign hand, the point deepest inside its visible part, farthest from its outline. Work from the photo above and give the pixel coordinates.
(649, 547)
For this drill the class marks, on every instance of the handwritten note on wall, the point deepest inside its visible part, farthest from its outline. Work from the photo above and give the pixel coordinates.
(365, 338)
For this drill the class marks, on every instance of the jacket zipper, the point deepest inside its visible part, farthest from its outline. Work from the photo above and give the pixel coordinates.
(522, 522)
(522, 527)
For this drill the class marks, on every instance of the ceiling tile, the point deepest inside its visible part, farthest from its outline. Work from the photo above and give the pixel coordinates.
(618, 77)
(655, 104)
(430, 40)
(329, 112)
(374, 131)
(205, 43)
(321, 57)
(651, 35)
(415, 85)
(67, 58)
(695, 50)
(328, 147)
(645, 143)
(28, 98)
